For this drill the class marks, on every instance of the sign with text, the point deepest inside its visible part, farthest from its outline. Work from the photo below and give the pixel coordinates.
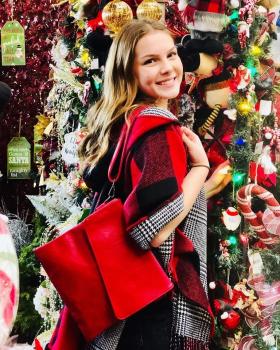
(69, 151)
(18, 159)
(12, 44)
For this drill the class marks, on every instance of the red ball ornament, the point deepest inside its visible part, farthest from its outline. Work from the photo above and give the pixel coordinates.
(232, 320)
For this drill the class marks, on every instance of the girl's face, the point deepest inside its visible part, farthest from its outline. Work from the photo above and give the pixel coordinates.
(157, 67)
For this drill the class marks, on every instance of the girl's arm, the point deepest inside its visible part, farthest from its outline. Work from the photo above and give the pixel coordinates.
(192, 183)
(191, 186)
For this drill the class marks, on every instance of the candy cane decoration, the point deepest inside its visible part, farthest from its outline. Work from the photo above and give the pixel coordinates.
(9, 282)
(255, 222)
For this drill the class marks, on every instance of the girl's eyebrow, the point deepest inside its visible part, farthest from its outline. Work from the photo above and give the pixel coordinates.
(155, 55)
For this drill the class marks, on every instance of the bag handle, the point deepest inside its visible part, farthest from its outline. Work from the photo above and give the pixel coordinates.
(116, 164)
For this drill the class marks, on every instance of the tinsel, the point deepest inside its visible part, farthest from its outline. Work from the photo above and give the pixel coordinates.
(30, 84)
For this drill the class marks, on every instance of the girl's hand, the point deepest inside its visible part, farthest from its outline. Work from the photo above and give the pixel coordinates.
(194, 146)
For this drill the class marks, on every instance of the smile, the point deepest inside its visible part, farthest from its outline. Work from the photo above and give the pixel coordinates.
(167, 81)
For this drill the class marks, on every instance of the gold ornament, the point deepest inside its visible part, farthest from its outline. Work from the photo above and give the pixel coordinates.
(149, 9)
(244, 107)
(116, 14)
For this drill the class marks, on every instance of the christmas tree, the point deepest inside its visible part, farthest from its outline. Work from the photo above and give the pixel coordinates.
(231, 98)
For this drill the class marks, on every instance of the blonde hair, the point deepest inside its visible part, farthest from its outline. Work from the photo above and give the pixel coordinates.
(120, 90)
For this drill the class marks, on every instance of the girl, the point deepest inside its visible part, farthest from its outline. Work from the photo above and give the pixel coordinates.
(161, 186)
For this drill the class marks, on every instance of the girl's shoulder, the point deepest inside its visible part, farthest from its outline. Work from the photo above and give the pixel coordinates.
(154, 111)
(149, 119)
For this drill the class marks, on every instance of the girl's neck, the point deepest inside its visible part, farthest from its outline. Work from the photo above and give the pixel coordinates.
(161, 104)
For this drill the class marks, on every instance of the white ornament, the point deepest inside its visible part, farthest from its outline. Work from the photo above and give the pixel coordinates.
(266, 162)
(268, 135)
(212, 285)
(265, 107)
(231, 218)
(234, 4)
(224, 315)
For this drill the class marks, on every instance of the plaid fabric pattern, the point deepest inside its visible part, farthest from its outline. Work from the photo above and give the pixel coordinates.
(108, 340)
(195, 227)
(147, 168)
(158, 112)
(146, 231)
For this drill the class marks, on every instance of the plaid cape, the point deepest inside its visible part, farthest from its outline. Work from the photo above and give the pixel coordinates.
(155, 166)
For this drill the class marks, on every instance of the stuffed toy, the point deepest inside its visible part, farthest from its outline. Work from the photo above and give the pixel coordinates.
(200, 55)
(205, 16)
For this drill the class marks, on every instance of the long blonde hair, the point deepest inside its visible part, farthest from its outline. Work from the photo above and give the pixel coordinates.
(120, 90)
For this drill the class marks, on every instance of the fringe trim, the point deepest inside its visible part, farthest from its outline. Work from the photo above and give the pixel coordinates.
(185, 343)
(208, 21)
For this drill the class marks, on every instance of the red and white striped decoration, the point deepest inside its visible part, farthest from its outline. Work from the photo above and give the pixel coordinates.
(255, 220)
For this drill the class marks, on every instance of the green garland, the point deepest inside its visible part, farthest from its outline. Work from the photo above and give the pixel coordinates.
(28, 321)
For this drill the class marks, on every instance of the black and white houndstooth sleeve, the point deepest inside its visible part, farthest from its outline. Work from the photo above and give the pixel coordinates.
(147, 230)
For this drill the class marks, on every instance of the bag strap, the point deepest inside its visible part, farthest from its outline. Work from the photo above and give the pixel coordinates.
(116, 164)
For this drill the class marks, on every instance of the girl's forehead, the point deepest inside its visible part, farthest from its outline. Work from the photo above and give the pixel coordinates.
(154, 41)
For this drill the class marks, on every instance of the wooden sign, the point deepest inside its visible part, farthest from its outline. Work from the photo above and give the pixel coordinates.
(18, 159)
(12, 44)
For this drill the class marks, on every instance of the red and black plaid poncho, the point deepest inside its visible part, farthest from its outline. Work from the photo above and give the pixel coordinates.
(154, 169)
(155, 166)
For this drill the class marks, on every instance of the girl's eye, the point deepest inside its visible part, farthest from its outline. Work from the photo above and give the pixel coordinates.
(150, 60)
(172, 54)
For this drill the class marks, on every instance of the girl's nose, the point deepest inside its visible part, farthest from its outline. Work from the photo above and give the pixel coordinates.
(166, 66)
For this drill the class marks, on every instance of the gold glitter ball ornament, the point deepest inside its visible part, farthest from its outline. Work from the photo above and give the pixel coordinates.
(149, 9)
(116, 14)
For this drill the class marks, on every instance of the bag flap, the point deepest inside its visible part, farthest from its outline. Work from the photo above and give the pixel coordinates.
(72, 268)
(133, 277)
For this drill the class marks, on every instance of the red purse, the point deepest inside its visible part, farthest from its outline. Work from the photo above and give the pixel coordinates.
(99, 272)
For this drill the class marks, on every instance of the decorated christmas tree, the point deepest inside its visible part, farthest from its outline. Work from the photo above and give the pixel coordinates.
(230, 97)
(30, 85)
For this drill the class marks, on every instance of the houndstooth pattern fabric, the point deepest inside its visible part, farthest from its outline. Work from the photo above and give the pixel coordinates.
(108, 340)
(189, 320)
(195, 227)
(158, 112)
(146, 230)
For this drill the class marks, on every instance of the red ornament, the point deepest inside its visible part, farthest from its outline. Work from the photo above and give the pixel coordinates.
(230, 320)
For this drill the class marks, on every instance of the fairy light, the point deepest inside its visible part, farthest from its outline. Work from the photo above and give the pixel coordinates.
(256, 51)
(232, 240)
(237, 178)
(234, 15)
(253, 70)
(240, 142)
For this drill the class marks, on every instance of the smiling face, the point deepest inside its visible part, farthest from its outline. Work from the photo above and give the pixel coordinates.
(157, 67)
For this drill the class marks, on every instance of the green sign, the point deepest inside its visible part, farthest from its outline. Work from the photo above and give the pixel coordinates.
(19, 158)
(12, 44)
